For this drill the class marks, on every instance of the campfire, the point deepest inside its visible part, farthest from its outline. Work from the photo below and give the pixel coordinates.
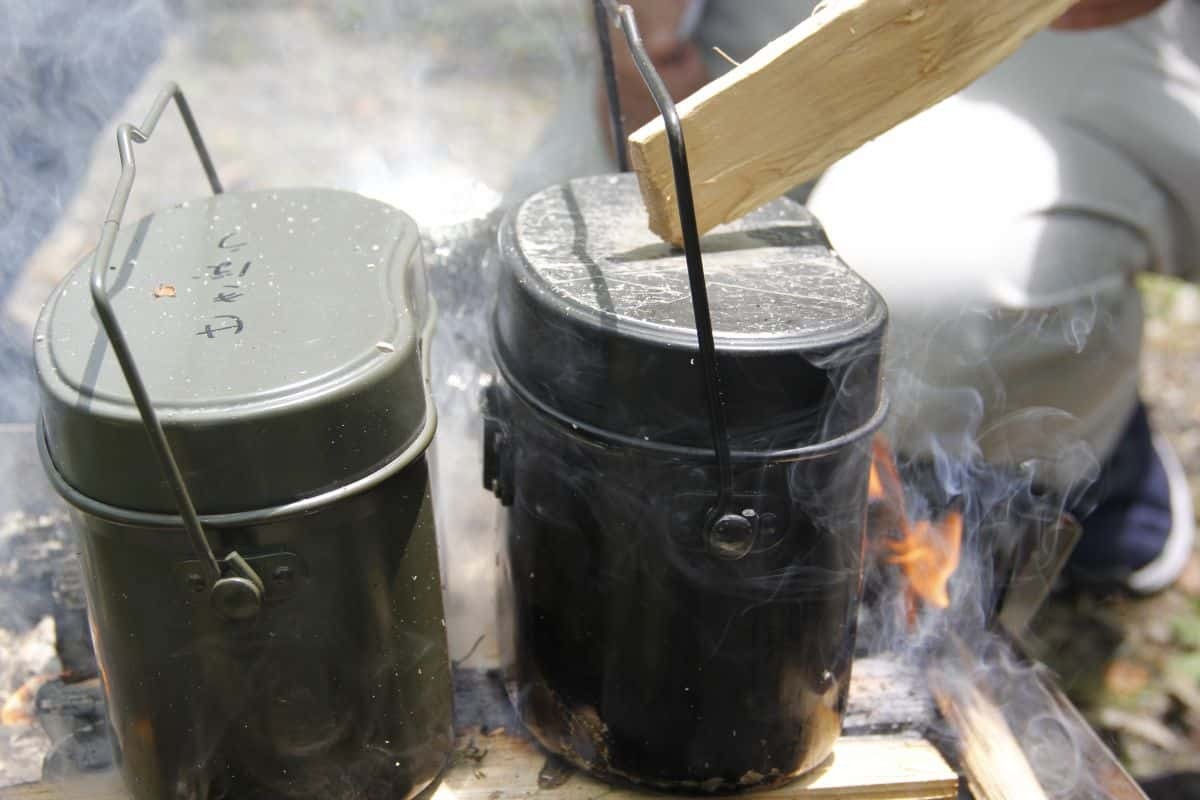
(926, 553)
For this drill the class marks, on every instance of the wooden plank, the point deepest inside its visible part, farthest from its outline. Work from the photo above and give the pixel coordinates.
(851, 71)
(878, 767)
(93, 787)
(901, 767)
(995, 765)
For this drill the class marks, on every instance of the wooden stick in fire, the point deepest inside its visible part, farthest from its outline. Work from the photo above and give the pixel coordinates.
(847, 74)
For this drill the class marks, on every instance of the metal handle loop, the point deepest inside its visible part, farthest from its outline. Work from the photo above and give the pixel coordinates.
(623, 15)
(127, 135)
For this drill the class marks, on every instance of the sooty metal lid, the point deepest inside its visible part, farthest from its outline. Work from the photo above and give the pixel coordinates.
(279, 334)
(594, 322)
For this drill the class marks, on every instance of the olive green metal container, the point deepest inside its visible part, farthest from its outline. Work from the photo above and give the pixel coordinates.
(287, 639)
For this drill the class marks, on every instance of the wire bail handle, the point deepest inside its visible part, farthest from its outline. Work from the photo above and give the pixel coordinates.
(237, 589)
(728, 533)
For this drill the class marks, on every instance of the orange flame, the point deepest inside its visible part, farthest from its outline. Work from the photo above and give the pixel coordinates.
(927, 551)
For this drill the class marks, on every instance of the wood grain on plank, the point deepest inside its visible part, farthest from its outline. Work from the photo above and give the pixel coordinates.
(847, 74)
(994, 761)
(902, 767)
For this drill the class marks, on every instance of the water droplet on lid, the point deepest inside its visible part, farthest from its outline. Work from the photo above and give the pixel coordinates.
(385, 347)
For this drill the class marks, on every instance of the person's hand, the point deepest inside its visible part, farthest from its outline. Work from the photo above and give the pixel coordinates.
(1089, 14)
(678, 63)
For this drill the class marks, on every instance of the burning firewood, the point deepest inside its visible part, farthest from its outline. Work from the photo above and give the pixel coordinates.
(928, 552)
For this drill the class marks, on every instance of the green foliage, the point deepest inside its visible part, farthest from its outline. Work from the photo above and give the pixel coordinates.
(1185, 666)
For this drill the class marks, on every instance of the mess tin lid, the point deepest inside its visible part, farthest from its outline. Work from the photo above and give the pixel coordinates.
(594, 323)
(279, 335)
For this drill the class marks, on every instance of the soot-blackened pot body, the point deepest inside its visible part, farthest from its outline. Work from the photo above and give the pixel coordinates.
(638, 652)
(658, 630)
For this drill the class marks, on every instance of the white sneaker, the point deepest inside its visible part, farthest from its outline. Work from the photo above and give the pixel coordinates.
(1168, 565)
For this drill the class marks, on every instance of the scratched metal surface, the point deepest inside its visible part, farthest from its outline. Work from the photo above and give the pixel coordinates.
(769, 273)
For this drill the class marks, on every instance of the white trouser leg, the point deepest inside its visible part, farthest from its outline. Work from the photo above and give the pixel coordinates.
(1001, 302)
